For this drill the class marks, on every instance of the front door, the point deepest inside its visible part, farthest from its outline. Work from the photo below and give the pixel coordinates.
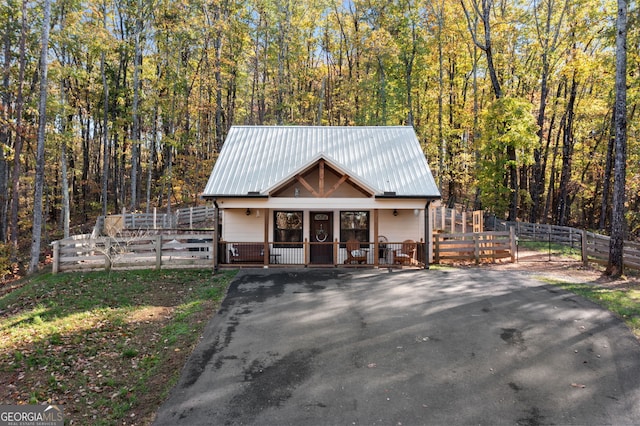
(321, 238)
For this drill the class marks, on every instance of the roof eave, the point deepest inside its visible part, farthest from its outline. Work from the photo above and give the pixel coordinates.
(407, 196)
(215, 196)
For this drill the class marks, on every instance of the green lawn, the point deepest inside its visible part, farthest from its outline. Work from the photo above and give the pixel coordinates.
(625, 303)
(106, 346)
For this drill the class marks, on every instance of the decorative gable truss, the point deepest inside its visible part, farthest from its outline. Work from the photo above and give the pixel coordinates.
(322, 179)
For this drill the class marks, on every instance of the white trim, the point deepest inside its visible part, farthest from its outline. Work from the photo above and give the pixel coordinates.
(310, 203)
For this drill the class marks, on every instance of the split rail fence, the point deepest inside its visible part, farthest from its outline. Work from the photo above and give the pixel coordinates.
(593, 247)
(144, 246)
(182, 218)
(142, 251)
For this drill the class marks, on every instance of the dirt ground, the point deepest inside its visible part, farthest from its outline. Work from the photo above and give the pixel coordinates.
(567, 269)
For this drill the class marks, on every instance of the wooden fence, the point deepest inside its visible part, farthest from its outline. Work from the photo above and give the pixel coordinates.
(454, 221)
(478, 246)
(142, 251)
(182, 218)
(594, 247)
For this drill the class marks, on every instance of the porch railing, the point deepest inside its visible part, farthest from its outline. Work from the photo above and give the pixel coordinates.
(308, 253)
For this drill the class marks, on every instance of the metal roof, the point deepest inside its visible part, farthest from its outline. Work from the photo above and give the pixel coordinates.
(255, 159)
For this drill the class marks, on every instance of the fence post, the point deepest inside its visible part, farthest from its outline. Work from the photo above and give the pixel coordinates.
(56, 257)
(585, 256)
(453, 221)
(464, 222)
(476, 247)
(436, 246)
(107, 253)
(158, 251)
(512, 239)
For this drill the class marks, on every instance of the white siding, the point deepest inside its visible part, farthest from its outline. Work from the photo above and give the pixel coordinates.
(238, 227)
(405, 226)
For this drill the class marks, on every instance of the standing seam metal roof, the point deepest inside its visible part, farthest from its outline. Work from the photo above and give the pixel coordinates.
(257, 158)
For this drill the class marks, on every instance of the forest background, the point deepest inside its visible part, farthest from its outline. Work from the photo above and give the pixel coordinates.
(513, 101)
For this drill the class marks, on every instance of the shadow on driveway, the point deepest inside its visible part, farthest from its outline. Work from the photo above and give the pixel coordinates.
(349, 347)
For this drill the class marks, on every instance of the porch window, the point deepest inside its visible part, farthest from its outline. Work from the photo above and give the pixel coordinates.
(354, 225)
(288, 228)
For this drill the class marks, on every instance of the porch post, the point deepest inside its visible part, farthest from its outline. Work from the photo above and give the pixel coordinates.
(375, 238)
(428, 235)
(216, 235)
(265, 250)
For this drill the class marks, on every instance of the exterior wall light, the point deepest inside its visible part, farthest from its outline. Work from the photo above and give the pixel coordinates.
(248, 212)
(395, 212)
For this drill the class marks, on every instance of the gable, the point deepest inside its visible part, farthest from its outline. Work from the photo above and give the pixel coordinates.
(321, 180)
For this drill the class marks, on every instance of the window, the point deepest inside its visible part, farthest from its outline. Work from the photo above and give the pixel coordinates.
(354, 225)
(287, 228)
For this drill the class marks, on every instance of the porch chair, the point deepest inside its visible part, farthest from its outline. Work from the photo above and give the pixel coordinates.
(355, 253)
(406, 254)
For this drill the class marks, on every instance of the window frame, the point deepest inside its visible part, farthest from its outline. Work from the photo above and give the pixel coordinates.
(347, 233)
(288, 243)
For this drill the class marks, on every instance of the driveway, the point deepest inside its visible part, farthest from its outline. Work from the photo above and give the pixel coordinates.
(436, 347)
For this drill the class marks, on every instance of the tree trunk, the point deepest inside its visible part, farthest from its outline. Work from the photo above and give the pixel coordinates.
(66, 213)
(36, 233)
(567, 156)
(153, 155)
(66, 208)
(135, 130)
(484, 13)
(441, 139)
(608, 168)
(284, 10)
(5, 134)
(217, 45)
(105, 130)
(15, 197)
(616, 244)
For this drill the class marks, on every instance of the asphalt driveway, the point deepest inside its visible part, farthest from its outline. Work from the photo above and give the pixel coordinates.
(353, 347)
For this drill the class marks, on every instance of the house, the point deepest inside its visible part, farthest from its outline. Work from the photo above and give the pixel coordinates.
(319, 195)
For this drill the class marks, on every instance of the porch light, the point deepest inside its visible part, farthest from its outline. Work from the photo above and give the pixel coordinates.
(248, 212)
(395, 212)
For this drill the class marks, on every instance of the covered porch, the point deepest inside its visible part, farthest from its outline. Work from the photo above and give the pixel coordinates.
(317, 237)
(407, 253)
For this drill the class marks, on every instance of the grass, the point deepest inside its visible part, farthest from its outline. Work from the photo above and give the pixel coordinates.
(107, 346)
(625, 303)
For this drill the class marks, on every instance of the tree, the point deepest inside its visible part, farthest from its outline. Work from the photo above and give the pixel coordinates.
(548, 38)
(509, 128)
(105, 121)
(616, 243)
(42, 124)
(135, 128)
(20, 132)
